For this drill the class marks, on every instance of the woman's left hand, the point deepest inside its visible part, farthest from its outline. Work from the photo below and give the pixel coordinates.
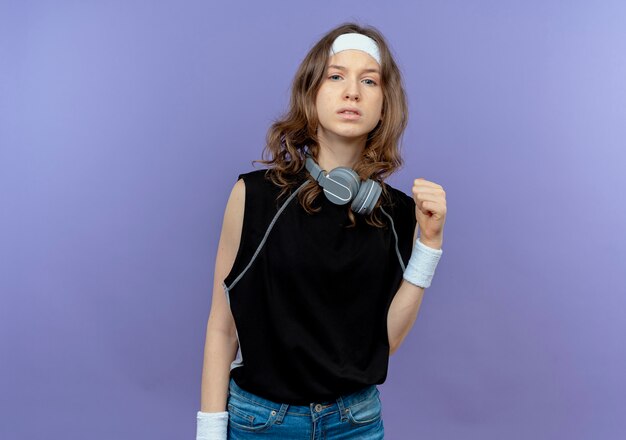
(430, 211)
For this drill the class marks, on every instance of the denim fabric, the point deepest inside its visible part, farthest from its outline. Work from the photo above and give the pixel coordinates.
(353, 416)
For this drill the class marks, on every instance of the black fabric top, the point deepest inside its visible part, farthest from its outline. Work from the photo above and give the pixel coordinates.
(311, 309)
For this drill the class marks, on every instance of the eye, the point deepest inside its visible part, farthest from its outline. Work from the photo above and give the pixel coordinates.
(334, 76)
(371, 82)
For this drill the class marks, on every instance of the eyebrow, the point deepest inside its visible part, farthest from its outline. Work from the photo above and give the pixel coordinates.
(343, 68)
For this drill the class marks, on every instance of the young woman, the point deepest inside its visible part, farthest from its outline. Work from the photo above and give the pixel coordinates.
(320, 272)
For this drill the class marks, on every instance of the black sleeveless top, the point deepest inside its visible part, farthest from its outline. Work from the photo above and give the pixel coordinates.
(310, 297)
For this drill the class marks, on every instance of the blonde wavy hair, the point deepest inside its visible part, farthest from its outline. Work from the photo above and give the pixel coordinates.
(290, 135)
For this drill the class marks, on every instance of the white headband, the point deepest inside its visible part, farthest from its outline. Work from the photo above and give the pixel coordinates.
(358, 42)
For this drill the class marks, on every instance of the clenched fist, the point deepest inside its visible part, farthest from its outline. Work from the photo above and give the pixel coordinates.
(430, 211)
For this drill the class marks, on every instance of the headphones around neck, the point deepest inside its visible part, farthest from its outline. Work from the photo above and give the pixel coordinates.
(342, 185)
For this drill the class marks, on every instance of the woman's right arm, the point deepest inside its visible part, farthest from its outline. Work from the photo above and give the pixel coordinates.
(221, 345)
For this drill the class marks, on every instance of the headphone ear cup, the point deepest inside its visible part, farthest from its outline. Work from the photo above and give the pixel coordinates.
(343, 187)
(366, 198)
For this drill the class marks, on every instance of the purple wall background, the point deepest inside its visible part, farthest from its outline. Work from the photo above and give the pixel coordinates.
(123, 126)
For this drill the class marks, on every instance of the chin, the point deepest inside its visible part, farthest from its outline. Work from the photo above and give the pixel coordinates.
(352, 136)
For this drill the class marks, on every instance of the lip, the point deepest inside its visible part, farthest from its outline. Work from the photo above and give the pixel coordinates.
(349, 116)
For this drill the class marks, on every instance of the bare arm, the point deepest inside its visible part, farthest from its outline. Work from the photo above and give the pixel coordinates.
(405, 307)
(221, 340)
(402, 313)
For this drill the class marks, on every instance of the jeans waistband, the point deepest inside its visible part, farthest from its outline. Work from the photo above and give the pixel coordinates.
(341, 402)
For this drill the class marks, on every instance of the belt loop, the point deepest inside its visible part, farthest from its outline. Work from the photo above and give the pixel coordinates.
(281, 413)
(342, 409)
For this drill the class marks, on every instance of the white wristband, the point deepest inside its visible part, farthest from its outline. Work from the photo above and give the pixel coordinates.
(422, 264)
(212, 426)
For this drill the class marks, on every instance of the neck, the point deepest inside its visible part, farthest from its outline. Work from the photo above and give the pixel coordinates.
(339, 152)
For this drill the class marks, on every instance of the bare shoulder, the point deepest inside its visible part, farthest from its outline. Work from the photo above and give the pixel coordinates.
(238, 194)
(233, 215)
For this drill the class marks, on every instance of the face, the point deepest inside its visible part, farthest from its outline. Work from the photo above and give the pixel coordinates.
(352, 81)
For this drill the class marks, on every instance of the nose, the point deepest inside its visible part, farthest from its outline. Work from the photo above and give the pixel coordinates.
(352, 91)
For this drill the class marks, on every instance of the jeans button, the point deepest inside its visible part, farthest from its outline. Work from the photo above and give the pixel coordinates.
(318, 407)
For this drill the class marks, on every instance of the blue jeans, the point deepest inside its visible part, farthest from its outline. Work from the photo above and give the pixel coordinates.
(352, 416)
